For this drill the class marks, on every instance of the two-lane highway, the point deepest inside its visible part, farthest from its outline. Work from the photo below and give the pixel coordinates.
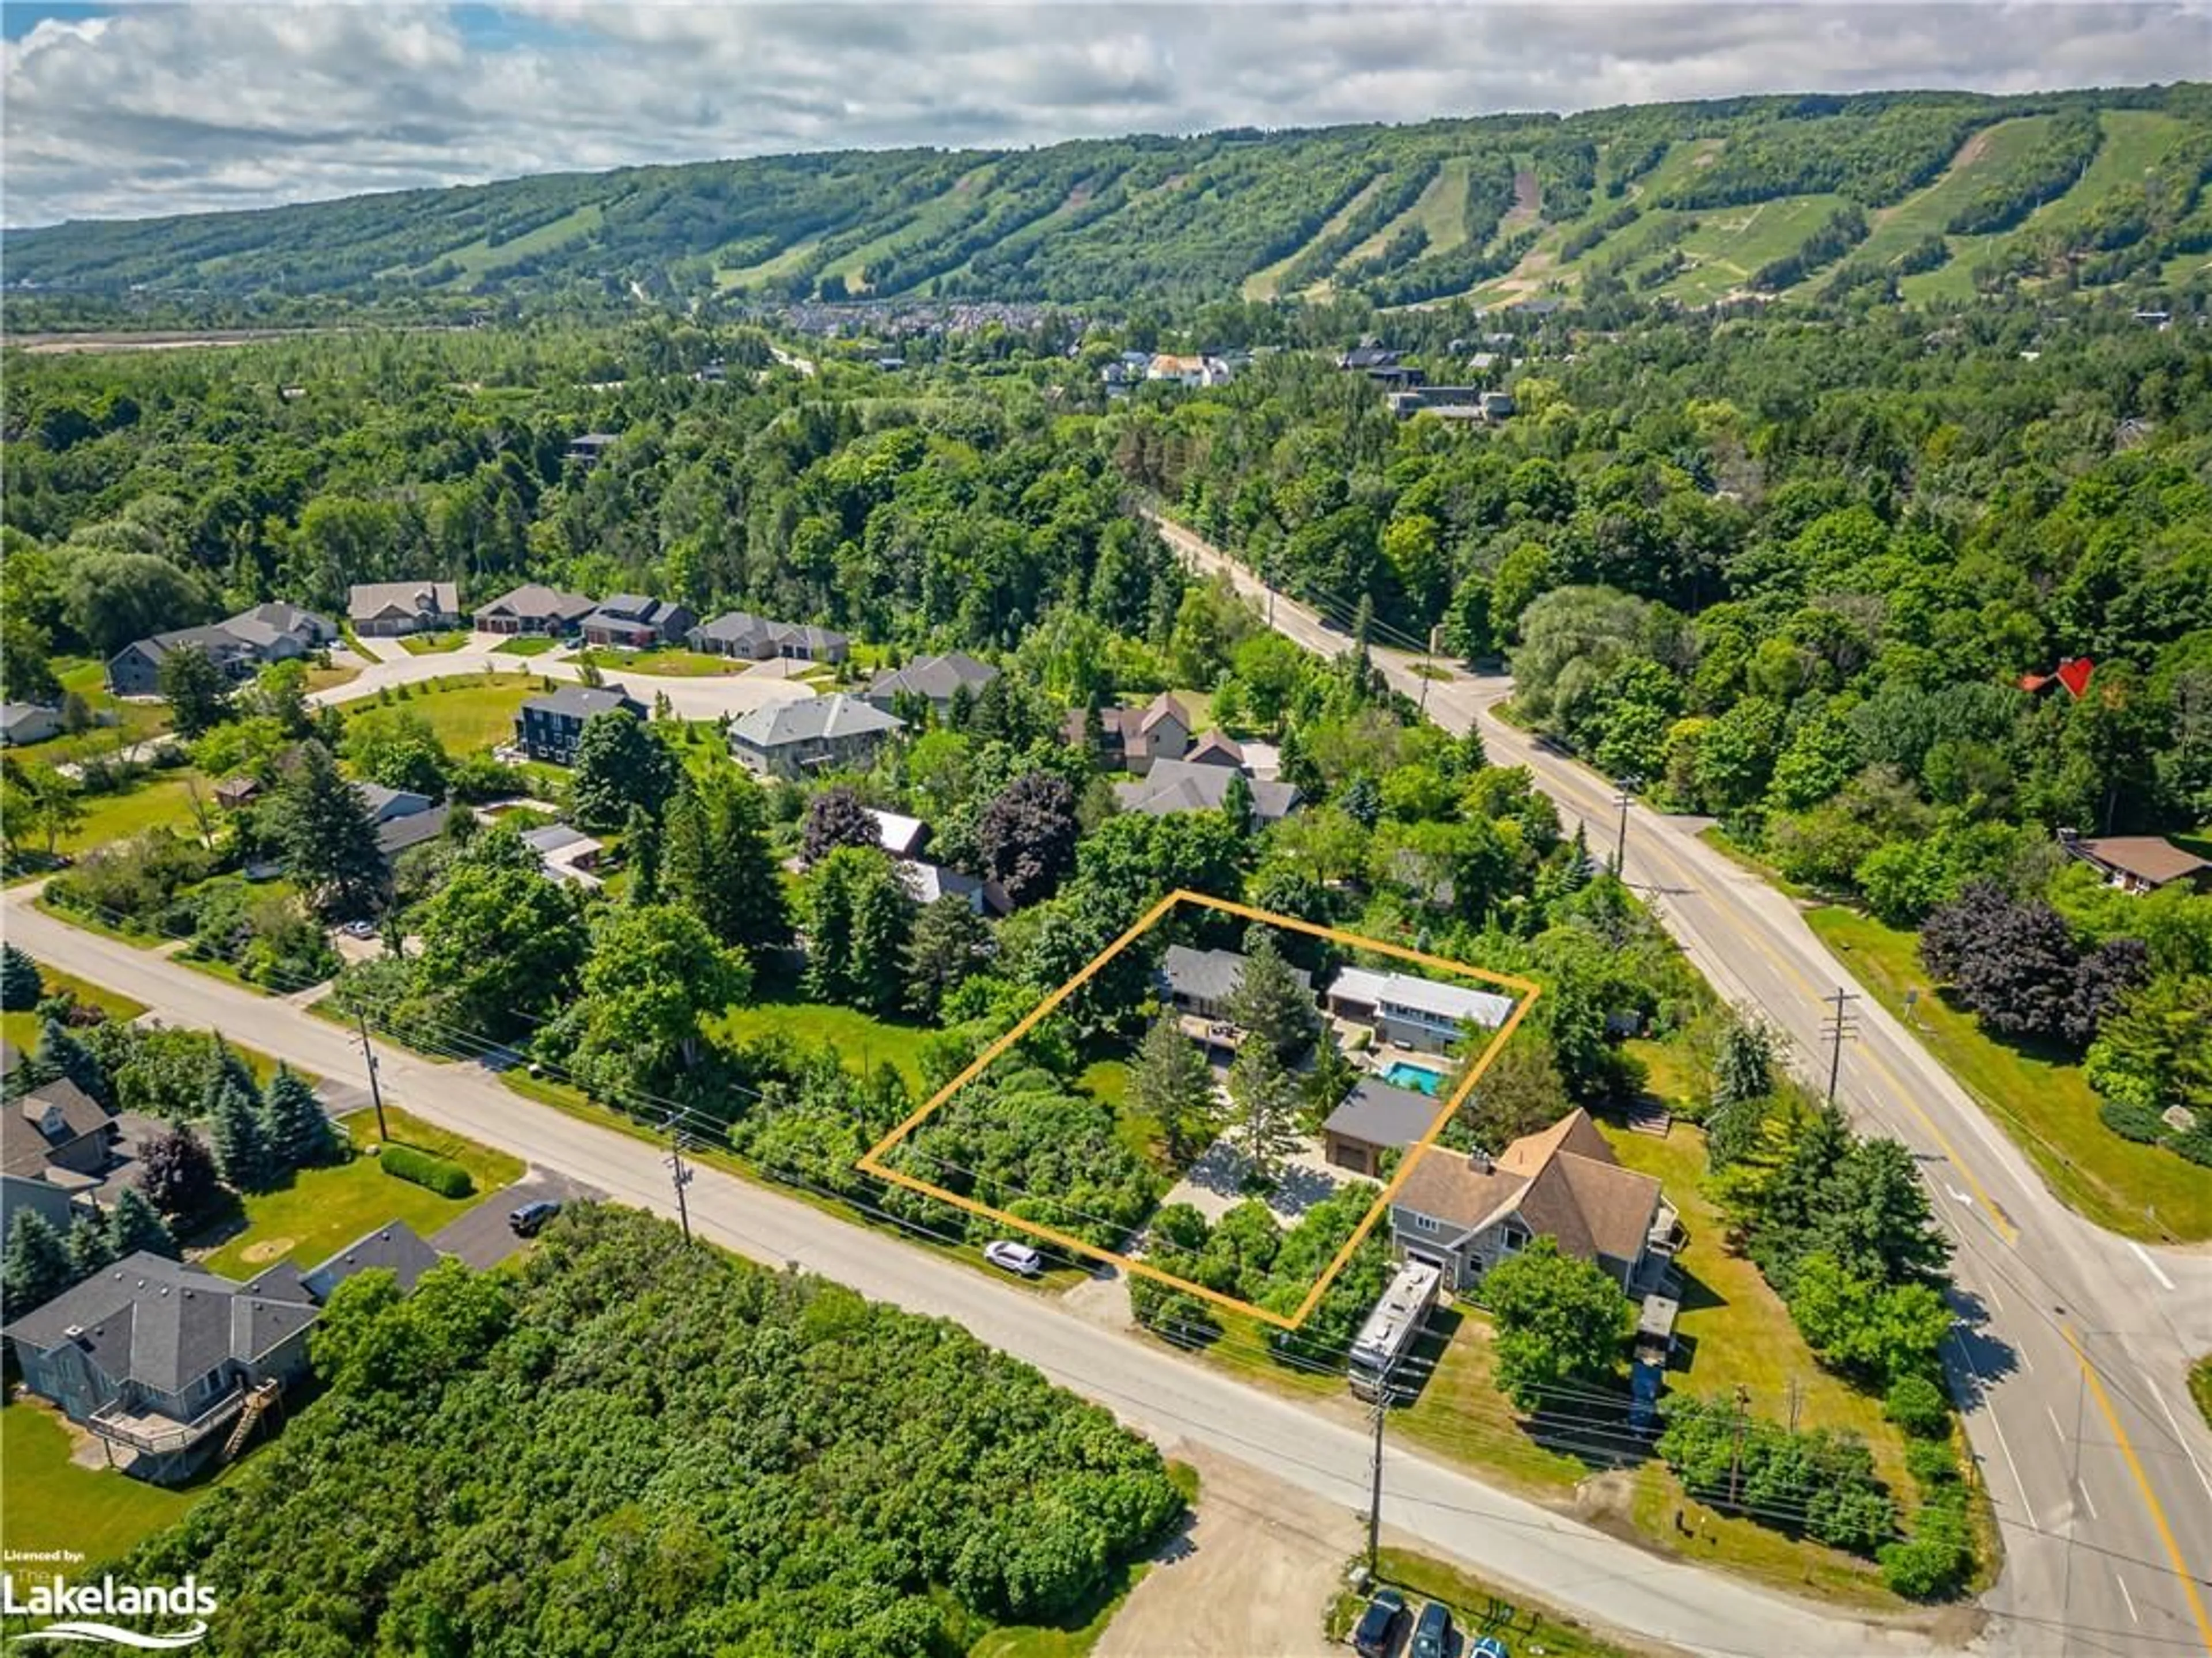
(2070, 1362)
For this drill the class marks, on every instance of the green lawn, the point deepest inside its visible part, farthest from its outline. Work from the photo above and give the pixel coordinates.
(673, 660)
(48, 1502)
(432, 644)
(2047, 1107)
(162, 799)
(527, 645)
(21, 1030)
(1730, 243)
(1479, 1609)
(467, 711)
(862, 1040)
(2200, 1386)
(322, 1210)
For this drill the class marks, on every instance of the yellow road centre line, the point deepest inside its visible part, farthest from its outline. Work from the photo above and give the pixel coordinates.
(2142, 1483)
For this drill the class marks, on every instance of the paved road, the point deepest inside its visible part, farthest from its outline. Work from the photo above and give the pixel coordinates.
(2071, 1367)
(693, 696)
(1160, 1393)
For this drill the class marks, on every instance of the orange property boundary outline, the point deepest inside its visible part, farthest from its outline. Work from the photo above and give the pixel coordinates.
(1526, 992)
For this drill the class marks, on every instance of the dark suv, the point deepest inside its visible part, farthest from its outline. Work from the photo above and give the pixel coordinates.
(1378, 1624)
(529, 1220)
(1432, 1633)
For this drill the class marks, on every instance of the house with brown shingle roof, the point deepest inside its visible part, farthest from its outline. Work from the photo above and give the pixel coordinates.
(1465, 1212)
(2136, 863)
(1132, 738)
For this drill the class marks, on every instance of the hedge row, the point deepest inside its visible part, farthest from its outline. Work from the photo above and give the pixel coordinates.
(447, 1180)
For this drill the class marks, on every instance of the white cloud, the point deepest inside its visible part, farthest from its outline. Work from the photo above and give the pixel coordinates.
(175, 108)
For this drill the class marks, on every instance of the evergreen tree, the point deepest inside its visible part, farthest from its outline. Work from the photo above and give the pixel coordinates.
(21, 986)
(1362, 801)
(883, 921)
(134, 1223)
(241, 1149)
(1236, 803)
(1744, 1067)
(643, 852)
(945, 948)
(716, 862)
(1270, 1003)
(232, 1070)
(329, 839)
(1171, 1083)
(299, 1134)
(1266, 1098)
(61, 1056)
(34, 1267)
(89, 1251)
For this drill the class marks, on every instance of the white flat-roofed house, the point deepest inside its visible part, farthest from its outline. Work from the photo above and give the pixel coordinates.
(1412, 1011)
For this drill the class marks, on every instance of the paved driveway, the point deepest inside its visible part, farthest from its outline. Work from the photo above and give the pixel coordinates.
(482, 1238)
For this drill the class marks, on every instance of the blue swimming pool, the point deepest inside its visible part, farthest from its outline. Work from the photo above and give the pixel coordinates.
(1418, 1078)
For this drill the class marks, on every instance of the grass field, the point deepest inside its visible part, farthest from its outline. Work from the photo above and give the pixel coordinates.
(322, 1210)
(861, 1041)
(480, 259)
(468, 710)
(163, 798)
(1730, 243)
(527, 645)
(2046, 1106)
(1925, 212)
(1263, 283)
(674, 661)
(48, 1502)
(134, 722)
(21, 1029)
(933, 217)
(432, 644)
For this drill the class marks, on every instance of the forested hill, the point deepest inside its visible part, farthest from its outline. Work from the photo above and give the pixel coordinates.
(1919, 196)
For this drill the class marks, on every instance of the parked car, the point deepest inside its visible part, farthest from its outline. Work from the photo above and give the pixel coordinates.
(1488, 1646)
(1016, 1258)
(1433, 1632)
(360, 929)
(1377, 1628)
(530, 1220)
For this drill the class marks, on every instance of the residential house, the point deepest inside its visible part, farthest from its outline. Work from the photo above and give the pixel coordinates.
(1464, 1212)
(56, 1128)
(1133, 739)
(1365, 359)
(793, 739)
(1197, 785)
(1201, 984)
(757, 639)
(157, 1358)
(589, 449)
(19, 1194)
(632, 622)
(1215, 748)
(900, 835)
(2136, 863)
(396, 834)
(936, 680)
(927, 883)
(547, 727)
(385, 804)
(1373, 1118)
(382, 609)
(236, 793)
(532, 609)
(566, 853)
(28, 722)
(1188, 370)
(1424, 1014)
(239, 645)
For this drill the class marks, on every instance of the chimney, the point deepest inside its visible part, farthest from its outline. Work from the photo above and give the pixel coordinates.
(1478, 1161)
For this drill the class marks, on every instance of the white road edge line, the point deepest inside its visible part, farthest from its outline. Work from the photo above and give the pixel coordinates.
(2027, 1504)
(2125, 1596)
(2202, 1479)
(2055, 1428)
(2150, 1266)
(2088, 1502)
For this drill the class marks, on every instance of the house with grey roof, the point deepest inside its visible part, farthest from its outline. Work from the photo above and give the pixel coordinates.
(936, 680)
(384, 609)
(926, 882)
(239, 646)
(396, 834)
(385, 805)
(548, 727)
(533, 608)
(57, 1133)
(169, 1365)
(1406, 1009)
(1201, 983)
(28, 722)
(794, 739)
(1199, 786)
(1373, 1118)
(632, 622)
(565, 854)
(758, 639)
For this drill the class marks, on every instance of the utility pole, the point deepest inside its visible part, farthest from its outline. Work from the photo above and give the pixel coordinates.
(1374, 1498)
(1623, 797)
(680, 1175)
(376, 1093)
(1836, 1027)
(1735, 1452)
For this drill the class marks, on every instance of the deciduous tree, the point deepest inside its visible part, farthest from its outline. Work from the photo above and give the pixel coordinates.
(1560, 1323)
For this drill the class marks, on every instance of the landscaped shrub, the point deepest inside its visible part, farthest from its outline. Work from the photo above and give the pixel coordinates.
(447, 1180)
(1918, 1405)
(2133, 1121)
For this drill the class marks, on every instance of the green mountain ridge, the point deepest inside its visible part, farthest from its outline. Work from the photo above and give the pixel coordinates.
(1916, 194)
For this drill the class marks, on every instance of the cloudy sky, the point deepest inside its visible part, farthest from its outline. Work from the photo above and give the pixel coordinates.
(124, 111)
